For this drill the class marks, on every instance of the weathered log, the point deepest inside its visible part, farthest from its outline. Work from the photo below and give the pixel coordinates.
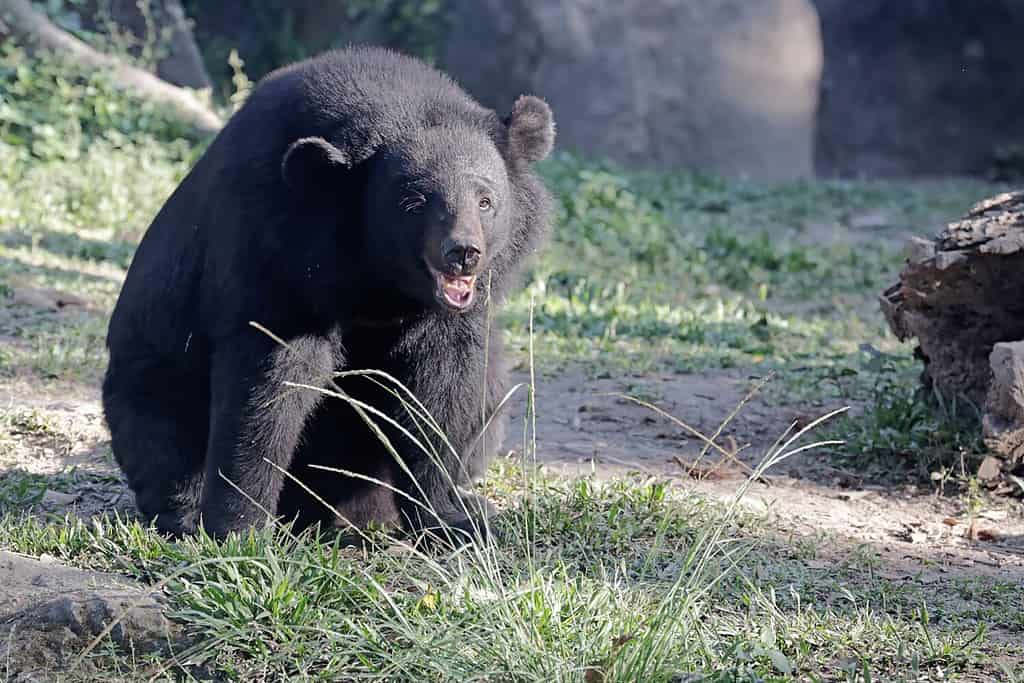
(962, 297)
(19, 18)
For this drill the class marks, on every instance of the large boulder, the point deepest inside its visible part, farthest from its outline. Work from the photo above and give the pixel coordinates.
(920, 86)
(729, 86)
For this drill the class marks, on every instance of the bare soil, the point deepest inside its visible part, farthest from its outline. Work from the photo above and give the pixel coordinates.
(586, 425)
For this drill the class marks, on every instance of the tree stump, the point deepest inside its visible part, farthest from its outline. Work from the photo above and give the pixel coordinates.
(961, 296)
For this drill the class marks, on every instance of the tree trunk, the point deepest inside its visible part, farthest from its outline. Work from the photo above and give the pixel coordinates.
(962, 297)
(182, 64)
(19, 18)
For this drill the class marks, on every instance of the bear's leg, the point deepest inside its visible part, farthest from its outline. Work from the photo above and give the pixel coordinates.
(335, 437)
(461, 386)
(158, 426)
(256, 421)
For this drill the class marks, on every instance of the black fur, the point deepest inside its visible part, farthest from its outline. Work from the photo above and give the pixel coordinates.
(336, 209)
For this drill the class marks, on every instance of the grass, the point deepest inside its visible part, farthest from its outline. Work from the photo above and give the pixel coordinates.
(627, 579)
(594, 581)
(620, 581)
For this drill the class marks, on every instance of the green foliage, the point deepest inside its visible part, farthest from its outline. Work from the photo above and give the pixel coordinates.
(83, 169)
(263, 33)
(93, 23)
(904, 428)
(628, 580)
(52, 109)
(239, 79)
(414, 26)
(698, 233)
(701, 272)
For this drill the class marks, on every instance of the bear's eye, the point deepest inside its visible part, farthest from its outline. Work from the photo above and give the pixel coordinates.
(413, 202)
(485, 204)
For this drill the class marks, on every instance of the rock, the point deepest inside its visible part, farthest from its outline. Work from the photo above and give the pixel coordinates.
(57, 499)
(1003, 423)
(919, 87)
(989, 470)
(918, 250)
(728, 86)
(49, 613)
(46, 298)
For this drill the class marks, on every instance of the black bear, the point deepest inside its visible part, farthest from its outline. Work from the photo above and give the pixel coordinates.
(367, 212)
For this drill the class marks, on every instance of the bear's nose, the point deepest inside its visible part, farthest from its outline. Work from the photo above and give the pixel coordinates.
(461, 257)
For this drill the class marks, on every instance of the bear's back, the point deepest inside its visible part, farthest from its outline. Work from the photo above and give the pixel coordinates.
(368, 94)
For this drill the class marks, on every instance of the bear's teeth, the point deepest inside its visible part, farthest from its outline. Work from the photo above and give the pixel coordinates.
(459, 284)
(458, 290)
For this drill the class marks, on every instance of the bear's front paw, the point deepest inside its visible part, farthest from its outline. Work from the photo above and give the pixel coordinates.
(463, 519)
(173, 524)
(219, 521)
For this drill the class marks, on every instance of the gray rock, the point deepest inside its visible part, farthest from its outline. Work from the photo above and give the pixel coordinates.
(729, 86)
(49, 613)
(929, 87)
(1003, 422)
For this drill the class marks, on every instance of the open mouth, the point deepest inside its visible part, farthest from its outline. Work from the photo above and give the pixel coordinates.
(456, 291)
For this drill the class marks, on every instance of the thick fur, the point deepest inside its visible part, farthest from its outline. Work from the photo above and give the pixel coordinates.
(312, 213)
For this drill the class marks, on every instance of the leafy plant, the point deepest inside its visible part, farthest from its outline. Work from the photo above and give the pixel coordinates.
(53, 110)
(903, 427)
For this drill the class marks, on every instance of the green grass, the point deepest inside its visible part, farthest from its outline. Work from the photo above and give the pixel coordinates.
(690, 272)
(629, 580)
(903, 428)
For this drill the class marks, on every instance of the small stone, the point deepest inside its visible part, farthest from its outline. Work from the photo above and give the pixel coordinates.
(854, 495)
(58, 498)
(990, 469)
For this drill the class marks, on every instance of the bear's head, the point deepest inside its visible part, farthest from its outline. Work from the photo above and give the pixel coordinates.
(437, 201)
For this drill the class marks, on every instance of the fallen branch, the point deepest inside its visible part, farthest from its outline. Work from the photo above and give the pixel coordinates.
(19, 18)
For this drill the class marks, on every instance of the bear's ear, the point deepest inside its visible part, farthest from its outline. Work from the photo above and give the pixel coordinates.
(310, 164)
(531, 129)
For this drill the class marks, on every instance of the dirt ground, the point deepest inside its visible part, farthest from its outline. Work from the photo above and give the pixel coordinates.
(585, 425)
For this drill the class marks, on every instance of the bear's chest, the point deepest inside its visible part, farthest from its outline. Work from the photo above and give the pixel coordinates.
(370, 348)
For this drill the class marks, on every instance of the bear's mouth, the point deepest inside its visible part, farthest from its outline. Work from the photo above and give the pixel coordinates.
(456, 292)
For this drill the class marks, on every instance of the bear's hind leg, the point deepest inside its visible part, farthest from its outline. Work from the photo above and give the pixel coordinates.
(158, 420)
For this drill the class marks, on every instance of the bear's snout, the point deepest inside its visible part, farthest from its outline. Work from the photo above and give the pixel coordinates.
(460, 257)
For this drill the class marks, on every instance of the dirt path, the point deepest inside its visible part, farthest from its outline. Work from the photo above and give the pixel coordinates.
(584, 426)
(59, 442)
